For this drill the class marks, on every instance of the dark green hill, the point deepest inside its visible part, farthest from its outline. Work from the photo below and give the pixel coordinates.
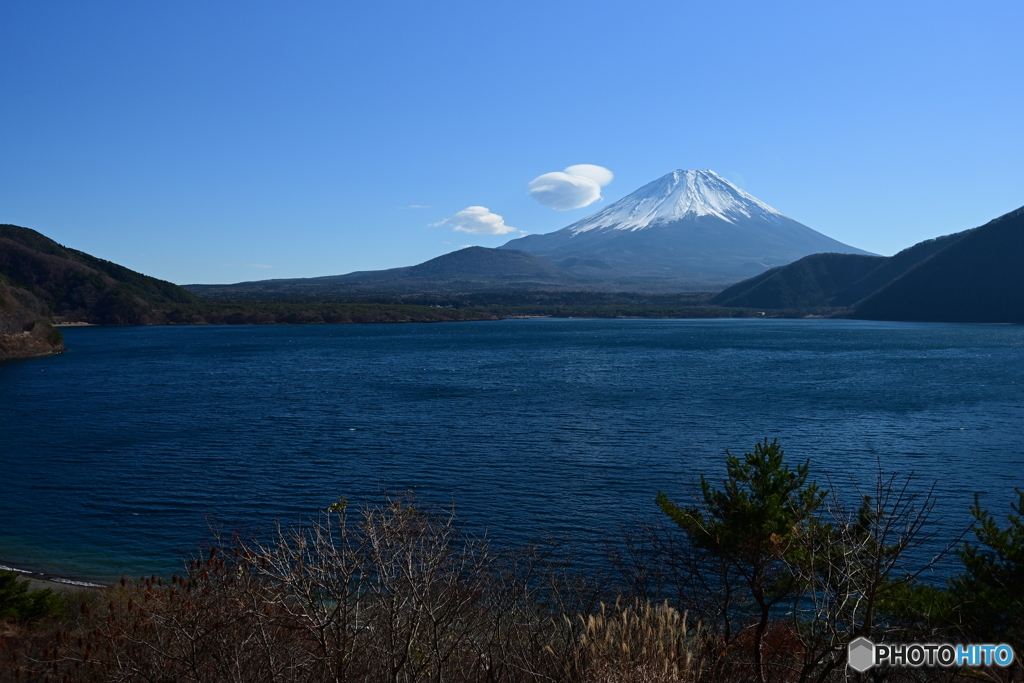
(971, 276)
(72, 286)
(42, 282)
(892, 268)
(810, 282)
(978, 277)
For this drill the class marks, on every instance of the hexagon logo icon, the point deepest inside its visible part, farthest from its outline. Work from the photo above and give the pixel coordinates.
(861, 654)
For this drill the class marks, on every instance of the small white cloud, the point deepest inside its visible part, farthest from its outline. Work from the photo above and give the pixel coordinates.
(477, 220)
(257, 265)
(419, 206)
(578, 186)
(465, 246)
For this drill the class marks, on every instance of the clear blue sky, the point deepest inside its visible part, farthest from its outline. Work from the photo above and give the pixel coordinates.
(197, 141)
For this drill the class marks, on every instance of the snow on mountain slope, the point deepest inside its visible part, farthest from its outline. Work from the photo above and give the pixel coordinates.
(675, 196)
(694, 228)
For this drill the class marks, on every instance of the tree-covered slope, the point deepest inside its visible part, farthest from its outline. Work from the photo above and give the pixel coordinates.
(893, 267)
(488, 263)
(810, 282)
(976, 278)
(70, 285)
(971, 276)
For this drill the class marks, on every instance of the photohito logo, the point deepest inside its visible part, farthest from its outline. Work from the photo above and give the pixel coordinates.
(863, 654)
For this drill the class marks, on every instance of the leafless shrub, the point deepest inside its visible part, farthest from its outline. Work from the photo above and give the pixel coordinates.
(395, 592)
(855, 567)
(400, 593)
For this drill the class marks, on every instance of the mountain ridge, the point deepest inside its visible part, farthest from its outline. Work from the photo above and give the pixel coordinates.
(65, 284)
(976, 277)
(469, 268)
(969, 276)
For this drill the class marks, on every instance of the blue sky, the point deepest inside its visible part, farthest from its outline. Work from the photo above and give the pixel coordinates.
(204, 142)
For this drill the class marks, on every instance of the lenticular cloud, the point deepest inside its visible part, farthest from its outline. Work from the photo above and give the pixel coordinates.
(599, 174)
(477, 220)
(574, 188)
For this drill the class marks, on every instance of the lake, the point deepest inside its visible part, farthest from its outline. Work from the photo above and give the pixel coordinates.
(119, 455)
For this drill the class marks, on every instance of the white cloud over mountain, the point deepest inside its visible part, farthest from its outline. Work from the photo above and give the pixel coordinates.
(599, 174)
(477, 220)
(578, 186)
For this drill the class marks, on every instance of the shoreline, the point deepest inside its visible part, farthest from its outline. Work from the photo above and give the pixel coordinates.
(58, 584)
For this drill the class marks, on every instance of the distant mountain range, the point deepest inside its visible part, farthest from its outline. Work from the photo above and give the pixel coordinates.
(686, 231)
(974, 275)
(971, 276)
(470, 269)
(42, 282)
(693, 228)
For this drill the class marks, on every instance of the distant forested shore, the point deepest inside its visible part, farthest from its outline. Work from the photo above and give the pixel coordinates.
(454, 307)
(971, 276)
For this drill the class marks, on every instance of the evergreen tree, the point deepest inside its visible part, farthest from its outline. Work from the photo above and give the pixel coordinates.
(18, 603)
(751, 527)
(990, 592)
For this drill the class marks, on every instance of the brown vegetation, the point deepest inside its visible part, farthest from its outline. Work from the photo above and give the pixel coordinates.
(31, 339)
(401, 593)
(397, 594)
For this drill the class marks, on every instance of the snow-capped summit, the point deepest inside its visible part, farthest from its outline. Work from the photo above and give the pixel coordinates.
(674, 196)
(686, 229)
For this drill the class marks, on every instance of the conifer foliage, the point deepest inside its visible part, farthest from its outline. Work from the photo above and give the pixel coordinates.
(750, 527)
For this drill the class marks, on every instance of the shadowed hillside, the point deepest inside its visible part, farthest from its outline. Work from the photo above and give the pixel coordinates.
(976, 278)
(70, 285)
(970, 276)
(892, 267)
(42, 282)
(811, 281)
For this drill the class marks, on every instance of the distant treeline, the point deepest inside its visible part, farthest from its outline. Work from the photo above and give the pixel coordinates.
(305, 313)
(457, 306)
(447, 309)
(620, 311)
(512, 304)
(462, 299)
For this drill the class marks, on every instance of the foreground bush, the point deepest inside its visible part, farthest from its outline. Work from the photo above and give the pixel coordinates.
(782, 574)
(396, 593)
(765, 579)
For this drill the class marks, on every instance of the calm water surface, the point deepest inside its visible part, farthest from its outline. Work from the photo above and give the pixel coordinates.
(119, 455)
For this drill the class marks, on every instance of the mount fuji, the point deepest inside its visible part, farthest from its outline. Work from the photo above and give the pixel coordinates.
(692, 227)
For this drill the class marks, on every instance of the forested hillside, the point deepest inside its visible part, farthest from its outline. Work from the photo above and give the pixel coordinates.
(970, 276)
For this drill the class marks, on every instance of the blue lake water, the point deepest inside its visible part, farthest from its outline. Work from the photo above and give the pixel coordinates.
(118, 455)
